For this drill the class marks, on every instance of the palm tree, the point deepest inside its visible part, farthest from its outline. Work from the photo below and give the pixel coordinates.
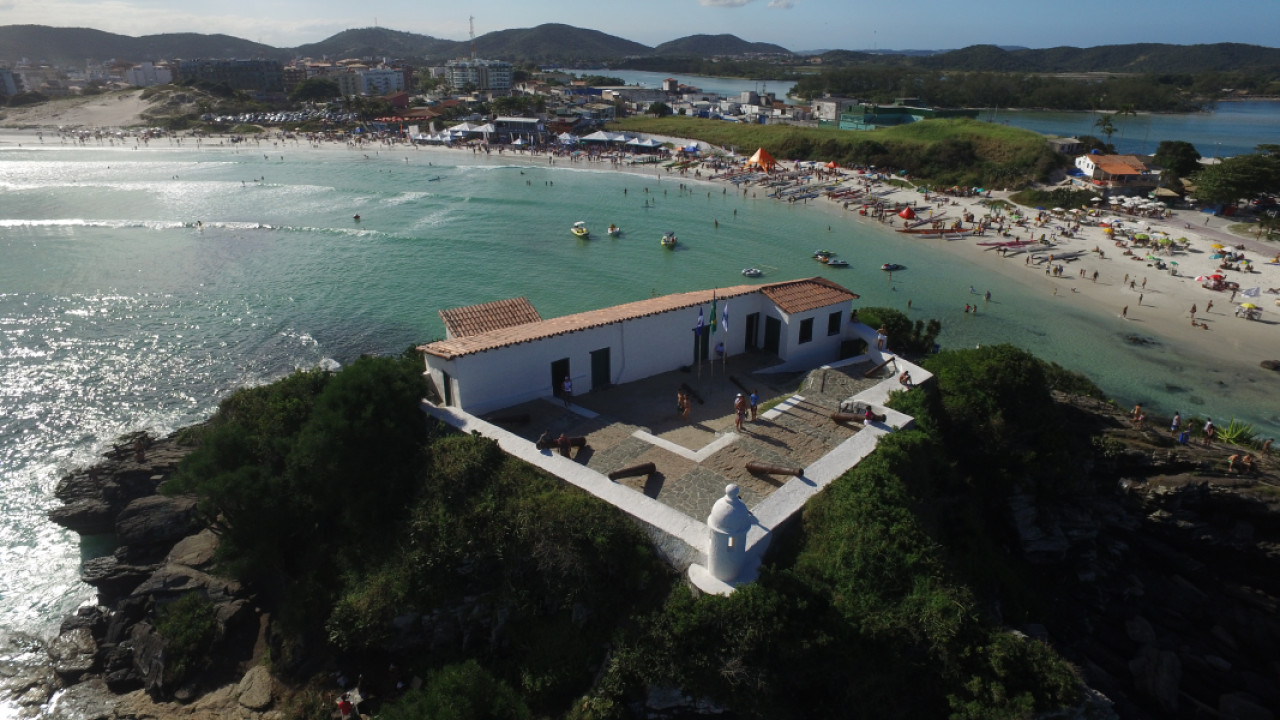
(1105, 126)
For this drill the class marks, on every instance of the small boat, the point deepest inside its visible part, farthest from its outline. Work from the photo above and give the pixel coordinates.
(752, 272)
(837, 263)
(890, 267)
(820, 254)
(580, 230)
(614, 230)
(668, 239)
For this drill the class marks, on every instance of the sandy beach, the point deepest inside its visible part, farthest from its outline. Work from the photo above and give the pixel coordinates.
(1129, 290)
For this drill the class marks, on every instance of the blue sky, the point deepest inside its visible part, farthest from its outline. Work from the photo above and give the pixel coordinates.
(794, 24)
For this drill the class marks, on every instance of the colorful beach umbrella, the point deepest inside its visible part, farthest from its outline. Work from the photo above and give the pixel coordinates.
(1249, 306)
(1201, 278)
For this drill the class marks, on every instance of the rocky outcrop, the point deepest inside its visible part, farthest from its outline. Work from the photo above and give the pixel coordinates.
(1163, 575)
(163, 554)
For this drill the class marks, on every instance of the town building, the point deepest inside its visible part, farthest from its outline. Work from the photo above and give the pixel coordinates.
(1069, 146)
(1117, 174)
(492, 76)
(828, 109)
(147, 74)
(10, 84)
(503, 354)
(255, 76)
(869, 116)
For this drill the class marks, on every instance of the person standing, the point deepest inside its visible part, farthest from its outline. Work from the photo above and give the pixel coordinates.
(754, 402)
(740, 411)
(1209, 432)
(566, 390)
(1176, 425)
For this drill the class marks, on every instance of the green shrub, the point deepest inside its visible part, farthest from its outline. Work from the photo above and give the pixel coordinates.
(905, 337)
(459, 692)
(188, 626)
(1238, 433)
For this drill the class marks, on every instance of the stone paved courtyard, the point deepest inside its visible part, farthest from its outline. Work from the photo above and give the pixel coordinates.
(636, 422)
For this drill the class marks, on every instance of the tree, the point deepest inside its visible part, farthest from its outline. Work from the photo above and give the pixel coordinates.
(1106, 126)
(315, 90)
(659, 109)
(1238, 177)
(1179, 156)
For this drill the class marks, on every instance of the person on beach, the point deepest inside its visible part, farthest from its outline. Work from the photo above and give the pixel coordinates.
(740, 411)
(753, 401)
(1124, 313)
(1176, 424)
(1209, 431)
(1266, 447)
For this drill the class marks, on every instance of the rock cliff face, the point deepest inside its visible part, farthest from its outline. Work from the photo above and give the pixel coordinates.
(111, 656)
(1166, 579)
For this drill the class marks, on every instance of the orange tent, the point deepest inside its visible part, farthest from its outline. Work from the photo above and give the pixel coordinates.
(762, 159)
(907, 214)
(833, 164)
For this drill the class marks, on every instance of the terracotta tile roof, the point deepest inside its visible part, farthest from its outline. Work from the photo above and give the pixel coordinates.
(483, 318)
(803, 295)
(1120, 164)
(798, 295)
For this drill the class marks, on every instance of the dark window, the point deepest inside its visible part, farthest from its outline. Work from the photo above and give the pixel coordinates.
(806, 331)
(833, 323)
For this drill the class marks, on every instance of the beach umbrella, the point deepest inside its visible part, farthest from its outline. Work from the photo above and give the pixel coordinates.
(1249, 306)
(1057, 210)
(1107, 231)
(907, 213)
(1097, 199)
(1217, 246)
(1201, 278)
(1216, 256)
(1216, 276)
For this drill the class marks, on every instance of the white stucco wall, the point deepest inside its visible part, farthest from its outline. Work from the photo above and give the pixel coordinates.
(638, 348)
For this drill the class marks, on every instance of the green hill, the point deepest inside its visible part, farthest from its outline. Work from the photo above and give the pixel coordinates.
(1136, 58)
(380, 42)
(555, 43)
(712, 45)
(72, 46)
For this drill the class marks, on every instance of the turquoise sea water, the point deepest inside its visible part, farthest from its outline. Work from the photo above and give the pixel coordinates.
(137, 288)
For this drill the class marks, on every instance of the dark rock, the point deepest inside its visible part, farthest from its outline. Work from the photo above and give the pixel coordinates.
(1270, 364)
(1140, 631)
(112, 578)
(1241, 706)
(1156, 673)
(94, 618)
(172, 581)
(148, 657)
(150, 526)
(86, 516)
(73, 654)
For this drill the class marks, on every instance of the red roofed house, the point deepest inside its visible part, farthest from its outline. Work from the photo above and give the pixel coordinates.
(1122, 174)
(501, 354)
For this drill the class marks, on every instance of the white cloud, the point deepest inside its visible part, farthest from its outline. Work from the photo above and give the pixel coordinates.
(725, 3)
(782, 4)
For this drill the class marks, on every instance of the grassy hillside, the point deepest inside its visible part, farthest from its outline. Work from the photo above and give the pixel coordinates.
(555, 43)
(709, 45)
(964, 152)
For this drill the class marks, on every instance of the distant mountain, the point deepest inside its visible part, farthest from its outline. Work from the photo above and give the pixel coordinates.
(379, 42)
(554, 44)
(712, 45)
(73, 46)
(1137, 58)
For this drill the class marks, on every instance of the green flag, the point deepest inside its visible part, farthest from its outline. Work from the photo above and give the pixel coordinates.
(713, 312)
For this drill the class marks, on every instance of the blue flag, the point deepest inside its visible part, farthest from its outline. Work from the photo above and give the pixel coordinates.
(697, 329)
(724, 317)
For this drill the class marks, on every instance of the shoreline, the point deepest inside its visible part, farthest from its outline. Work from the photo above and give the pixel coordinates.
(1160, 307)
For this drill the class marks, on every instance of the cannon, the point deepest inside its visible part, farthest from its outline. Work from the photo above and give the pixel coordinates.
(846, 417)
(771, 469)
(634, 471)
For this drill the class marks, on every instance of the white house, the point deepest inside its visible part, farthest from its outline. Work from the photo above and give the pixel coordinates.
(501, 354)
